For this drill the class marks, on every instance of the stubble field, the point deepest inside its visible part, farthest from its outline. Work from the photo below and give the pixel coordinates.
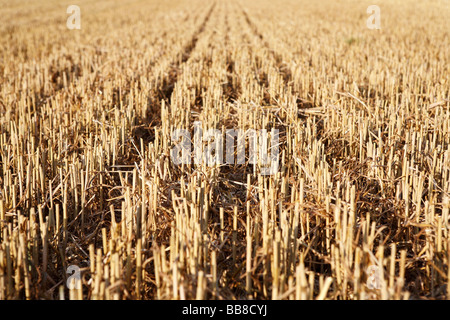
(358, 208)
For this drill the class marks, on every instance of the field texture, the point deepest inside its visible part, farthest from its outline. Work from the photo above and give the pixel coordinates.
(93, 205)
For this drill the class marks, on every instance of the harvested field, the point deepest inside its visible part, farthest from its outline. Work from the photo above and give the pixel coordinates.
(93, 204)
